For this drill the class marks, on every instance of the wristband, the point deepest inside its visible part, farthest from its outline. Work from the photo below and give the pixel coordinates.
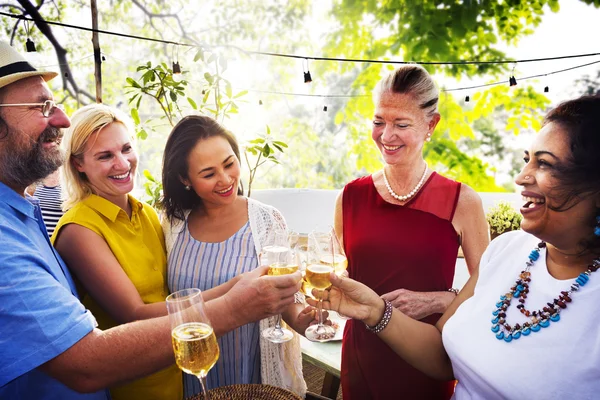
(385, 319)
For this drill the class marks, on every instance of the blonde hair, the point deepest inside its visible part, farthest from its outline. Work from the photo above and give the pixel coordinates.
(84, 123)
(413, 80)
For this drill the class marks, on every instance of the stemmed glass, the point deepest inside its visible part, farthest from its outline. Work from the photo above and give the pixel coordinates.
(279, 257)
(194, 341)
(317, 275)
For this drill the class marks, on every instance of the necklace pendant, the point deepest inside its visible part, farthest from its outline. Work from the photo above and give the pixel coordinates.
(539, 318)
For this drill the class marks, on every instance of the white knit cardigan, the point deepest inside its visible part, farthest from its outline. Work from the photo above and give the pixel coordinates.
(280, 364)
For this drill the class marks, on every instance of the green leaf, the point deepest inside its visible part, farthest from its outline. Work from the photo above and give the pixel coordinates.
(240, 94)
(199, 55)
(267, 150)
(212, 58)
(173, 95)
(142, 134)
(133, 83)
(223, 63)
(282, 144)
(192, 103)
(209, 78)
(135, 115)
(149, 176)
(268, 130)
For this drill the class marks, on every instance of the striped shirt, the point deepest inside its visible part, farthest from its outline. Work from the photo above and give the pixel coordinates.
(195, 264)
(50, 203)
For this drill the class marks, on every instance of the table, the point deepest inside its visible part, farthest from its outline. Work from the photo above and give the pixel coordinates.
(328, 357)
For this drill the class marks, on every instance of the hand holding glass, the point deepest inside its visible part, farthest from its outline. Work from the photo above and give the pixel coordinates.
(317, 275)
(194, 341)
(278, 256)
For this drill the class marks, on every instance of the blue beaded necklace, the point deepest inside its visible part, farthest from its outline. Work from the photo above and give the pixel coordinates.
(539, 318)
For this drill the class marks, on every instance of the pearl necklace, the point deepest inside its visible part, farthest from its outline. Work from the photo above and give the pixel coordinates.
(412, 192)
(539, 318)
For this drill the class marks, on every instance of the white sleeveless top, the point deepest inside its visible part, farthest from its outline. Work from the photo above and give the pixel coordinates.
(561, 361)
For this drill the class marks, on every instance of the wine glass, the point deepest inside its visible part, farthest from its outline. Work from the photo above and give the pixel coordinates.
(194, 341)
(279, 257)
(333, 254)
(317, 275)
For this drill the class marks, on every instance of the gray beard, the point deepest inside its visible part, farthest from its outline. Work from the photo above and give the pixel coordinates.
(20, 167)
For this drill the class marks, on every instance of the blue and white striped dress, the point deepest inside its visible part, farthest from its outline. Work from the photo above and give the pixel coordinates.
(194, 264)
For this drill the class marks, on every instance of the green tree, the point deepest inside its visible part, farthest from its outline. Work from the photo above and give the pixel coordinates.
(438, 31)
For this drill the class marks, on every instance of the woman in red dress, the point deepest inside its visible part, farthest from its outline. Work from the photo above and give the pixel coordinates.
(401, 229)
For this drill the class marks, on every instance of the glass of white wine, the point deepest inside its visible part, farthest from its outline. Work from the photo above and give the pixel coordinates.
(194, 341)
(317, 276)
(279, 257)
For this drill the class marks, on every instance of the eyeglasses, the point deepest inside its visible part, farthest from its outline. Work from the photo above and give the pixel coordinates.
(47, 106)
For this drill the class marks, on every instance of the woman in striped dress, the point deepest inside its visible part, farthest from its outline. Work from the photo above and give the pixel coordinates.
(49, 194)
(213, 235)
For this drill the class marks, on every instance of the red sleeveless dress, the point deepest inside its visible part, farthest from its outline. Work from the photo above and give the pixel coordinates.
(389, 246)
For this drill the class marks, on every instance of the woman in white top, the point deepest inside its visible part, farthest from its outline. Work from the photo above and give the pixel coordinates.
(526, 325)
(213, 234)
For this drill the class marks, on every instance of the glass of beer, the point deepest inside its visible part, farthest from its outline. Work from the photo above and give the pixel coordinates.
(317, 276)
(279, 257)
(194, 341)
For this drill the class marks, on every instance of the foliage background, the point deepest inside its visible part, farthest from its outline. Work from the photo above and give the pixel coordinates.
(326, 149)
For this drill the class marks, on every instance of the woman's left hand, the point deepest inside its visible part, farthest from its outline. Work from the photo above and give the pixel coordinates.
(418, 305)
(308, 316)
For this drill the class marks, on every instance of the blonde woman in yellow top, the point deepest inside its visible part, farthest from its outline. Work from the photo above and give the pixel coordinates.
(113, 243)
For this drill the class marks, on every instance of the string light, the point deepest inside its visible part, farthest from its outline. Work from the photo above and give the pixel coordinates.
(467, 62)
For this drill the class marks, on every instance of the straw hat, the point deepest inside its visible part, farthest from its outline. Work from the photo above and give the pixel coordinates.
(14, 67)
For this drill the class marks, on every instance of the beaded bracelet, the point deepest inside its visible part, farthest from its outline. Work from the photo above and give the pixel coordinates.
(452, 290)
(385, 319)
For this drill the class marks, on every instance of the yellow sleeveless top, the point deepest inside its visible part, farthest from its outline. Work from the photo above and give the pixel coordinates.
(139, 246)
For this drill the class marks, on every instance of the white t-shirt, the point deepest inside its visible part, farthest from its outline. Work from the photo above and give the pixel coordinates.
(561, 361)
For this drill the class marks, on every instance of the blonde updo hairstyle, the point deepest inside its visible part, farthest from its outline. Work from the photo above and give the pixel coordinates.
(84, 123)
(412, 80)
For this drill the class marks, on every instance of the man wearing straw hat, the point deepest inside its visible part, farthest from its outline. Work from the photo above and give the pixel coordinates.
(49, 346)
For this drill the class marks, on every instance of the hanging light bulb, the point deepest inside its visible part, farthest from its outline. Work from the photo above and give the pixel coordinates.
(30, 45)
(307, 77)
(176, 67)
(546, 89)
(260, 102)
(467, 99)
(512, 81)
(325, 108)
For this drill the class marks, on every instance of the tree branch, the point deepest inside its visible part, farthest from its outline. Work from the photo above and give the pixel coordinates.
(69, 84)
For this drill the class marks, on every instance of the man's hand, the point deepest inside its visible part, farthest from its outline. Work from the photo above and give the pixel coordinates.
(419, 305)
(257, 296)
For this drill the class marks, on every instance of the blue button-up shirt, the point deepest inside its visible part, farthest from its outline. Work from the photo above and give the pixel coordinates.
(40, 313)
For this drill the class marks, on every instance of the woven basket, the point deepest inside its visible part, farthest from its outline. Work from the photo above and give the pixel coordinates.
(247, 392)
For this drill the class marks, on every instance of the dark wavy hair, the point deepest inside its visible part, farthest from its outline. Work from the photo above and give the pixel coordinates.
(579, 177)
(182, 140)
